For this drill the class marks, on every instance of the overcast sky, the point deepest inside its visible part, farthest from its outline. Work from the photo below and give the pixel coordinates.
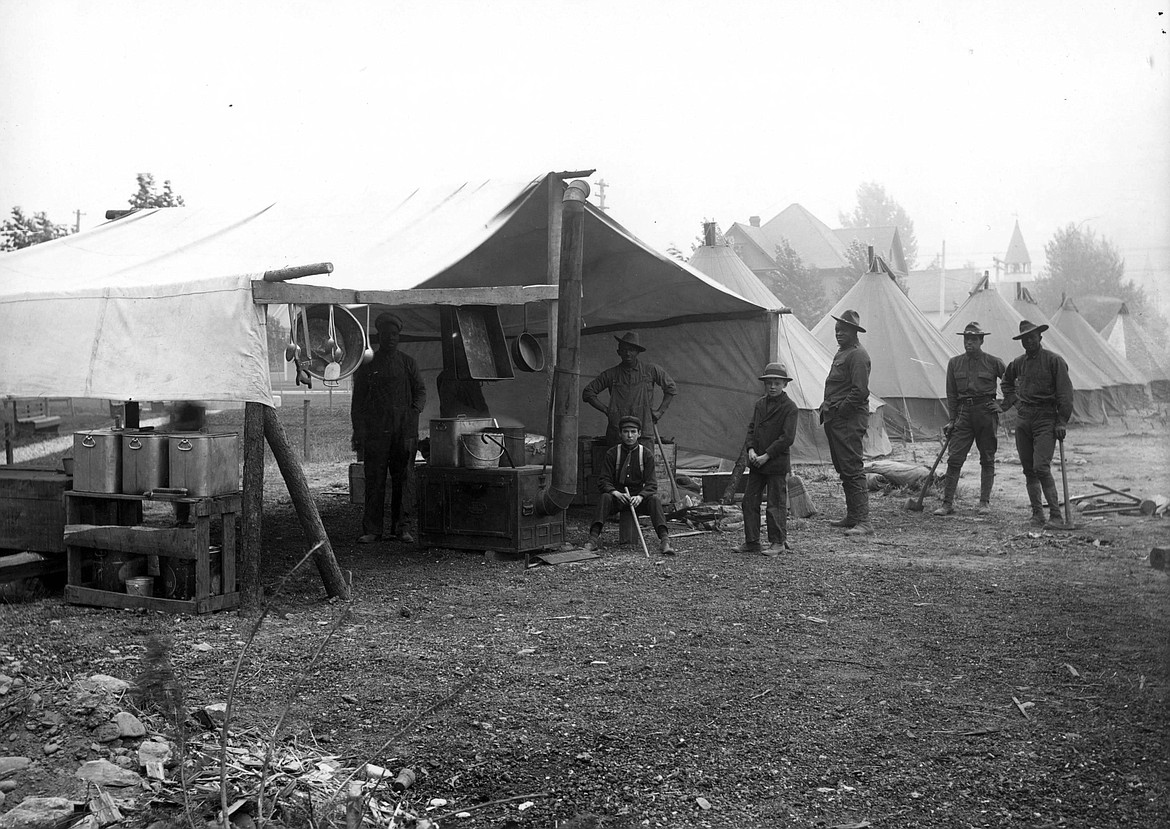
(971, 114)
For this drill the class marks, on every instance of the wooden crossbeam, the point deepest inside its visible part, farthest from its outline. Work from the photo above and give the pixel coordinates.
(283, 293)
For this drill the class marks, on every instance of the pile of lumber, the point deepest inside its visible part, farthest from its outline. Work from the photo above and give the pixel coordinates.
(1120, 502)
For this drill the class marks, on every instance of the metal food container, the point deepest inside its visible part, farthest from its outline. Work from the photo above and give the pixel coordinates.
(445, 437)
(144, 462)
(97, 461)
(204, 465)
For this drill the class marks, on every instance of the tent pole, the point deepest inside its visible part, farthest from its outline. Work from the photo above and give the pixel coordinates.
(248, 568)
(298, 490)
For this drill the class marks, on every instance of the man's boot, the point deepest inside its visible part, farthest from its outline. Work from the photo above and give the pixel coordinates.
(664, 546)
(860, 510)
(594, 542)
(1050, 495)
(950, 484)
(986, 480)
(849, 520)
(1035, 494)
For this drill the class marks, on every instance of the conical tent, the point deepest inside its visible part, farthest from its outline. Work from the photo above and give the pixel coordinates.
(908, 355)
(1093, 345)
(1056, 341)
(1002, 322)
(807, 360)
(1131, 339)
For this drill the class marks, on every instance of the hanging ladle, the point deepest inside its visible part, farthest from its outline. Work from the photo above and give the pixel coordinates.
(368, 353)
(333, 369)
(527, 355)
(303, 376)
(292, 350)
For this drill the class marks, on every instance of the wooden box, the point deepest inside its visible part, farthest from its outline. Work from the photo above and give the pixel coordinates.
(32, 509)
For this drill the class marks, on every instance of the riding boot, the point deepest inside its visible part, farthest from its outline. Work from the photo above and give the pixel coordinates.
(850, 518)
(986, 481)
(1035, 495)
(950, 484)
(860, 509)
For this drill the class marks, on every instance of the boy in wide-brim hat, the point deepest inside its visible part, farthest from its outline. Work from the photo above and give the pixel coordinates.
(769, 440)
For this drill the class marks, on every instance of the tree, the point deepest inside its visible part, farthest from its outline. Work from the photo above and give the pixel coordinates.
(22, 230)
(797, 285)
(875, 208)
(1078, 263)
(148, 196)
(700, 240)
(673, 251)
(858, 256)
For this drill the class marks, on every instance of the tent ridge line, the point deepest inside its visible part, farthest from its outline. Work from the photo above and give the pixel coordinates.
(280, 293)
(666, 323)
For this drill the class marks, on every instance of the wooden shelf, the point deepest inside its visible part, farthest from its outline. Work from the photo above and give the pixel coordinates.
(187, 541)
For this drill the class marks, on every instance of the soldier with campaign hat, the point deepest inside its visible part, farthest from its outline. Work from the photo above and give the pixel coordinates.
(974, 416)
(1038, 385)
(388, 397)
(631, 390)
(845, 416)
(769, 439)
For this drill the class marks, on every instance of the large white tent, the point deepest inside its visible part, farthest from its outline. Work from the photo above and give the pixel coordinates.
(162, 304)
(1133, 341)
(1069, 321)
(807, 360)
(908, 355)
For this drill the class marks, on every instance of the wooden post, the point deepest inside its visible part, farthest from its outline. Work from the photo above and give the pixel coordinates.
(302, 498)
(305, 431)
(248, 571)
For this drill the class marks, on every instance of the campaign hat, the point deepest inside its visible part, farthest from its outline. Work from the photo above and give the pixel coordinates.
(630, 338)
(1027, 327)
(972, 329)
(850, 318)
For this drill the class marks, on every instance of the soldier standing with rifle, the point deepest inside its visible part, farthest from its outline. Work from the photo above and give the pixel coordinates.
(845, 416)
(1037, 383)
(974, 416)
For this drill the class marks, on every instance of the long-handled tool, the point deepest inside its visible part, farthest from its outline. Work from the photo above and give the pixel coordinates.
(674, 502)
(915, 504)
(637, 523)
(1069, 524)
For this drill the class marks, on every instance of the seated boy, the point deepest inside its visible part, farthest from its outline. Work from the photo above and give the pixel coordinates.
(627, 478)
(769, 440)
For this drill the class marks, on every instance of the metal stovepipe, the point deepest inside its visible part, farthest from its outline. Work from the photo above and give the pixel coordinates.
(567, 375)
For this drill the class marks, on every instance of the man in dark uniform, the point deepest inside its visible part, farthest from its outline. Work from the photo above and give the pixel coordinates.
(845, 415)
(631, 390)
(974, 416)
(1037, 384)
(769, 441)
(627, 479)
(388, 396)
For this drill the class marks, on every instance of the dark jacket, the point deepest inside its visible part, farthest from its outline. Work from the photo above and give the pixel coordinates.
(1041, 382)
(847, 384)
(388, 396)
(638, 474)
(771, 432)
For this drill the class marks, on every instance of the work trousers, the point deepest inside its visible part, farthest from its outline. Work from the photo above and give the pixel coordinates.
(846, 434)
(651, 506)
(1036, 441)
(776, 486)
(393, 459)
(976, 424)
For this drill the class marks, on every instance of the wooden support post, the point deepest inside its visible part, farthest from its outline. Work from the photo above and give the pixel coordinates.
(302, 498)
(253, 507)
(305, 431)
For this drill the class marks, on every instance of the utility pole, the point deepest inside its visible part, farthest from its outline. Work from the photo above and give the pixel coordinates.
(942, 285)
(77, 225)
(601, 185)
(998, 262)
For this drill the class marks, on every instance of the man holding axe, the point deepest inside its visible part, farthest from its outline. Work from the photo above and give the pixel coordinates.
(627, 481)
(1037, 383)
(974, 416)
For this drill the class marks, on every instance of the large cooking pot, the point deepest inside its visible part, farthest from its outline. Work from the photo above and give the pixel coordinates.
(527, 355)
(346, 333)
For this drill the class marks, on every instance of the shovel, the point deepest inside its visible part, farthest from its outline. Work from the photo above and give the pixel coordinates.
(915, 504)
(673, 485)
(1068, 524)
(638, 524)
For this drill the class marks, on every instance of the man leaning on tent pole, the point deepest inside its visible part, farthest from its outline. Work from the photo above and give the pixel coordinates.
(974, 416)
(1038, 385)
(845, 416)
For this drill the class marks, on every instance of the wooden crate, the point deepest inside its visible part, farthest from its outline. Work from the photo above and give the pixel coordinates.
(188, 540)
(32, 509)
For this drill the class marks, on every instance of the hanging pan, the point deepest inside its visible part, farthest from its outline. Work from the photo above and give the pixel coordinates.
(527, 355)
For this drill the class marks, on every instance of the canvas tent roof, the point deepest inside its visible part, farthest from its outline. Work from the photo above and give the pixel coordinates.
(806, 359)
(986, 306)
(159, 305)
(1129, 337)
(1093, 346)
(908, 355)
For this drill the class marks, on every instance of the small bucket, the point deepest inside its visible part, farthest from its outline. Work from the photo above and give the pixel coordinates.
(113, 568)
(480, 451)
(140, 586)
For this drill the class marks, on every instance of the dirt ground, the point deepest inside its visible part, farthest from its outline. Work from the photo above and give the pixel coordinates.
(958, 671)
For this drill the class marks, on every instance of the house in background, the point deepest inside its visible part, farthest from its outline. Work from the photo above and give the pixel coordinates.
(954, 284)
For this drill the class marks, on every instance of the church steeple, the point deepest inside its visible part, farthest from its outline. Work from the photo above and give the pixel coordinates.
(1016, 261)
